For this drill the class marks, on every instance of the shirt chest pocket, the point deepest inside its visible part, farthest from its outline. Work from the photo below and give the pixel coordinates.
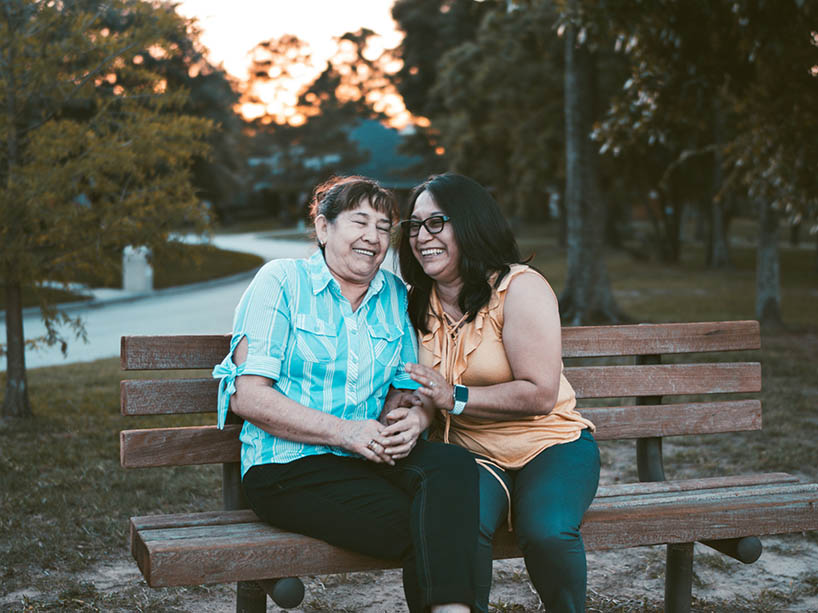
(315, 339)
(386, 341)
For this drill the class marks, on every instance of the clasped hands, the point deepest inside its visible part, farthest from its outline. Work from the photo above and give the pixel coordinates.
(392, 436)
(395, 433)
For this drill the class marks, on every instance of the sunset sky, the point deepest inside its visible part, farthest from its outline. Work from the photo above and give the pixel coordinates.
(231, 29)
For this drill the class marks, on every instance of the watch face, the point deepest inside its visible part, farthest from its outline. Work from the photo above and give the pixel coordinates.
(461, 393)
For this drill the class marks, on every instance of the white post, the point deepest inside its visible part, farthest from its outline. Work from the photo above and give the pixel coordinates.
(137, 273)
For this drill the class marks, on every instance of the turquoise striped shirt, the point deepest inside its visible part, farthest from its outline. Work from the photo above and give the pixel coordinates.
(304, 336)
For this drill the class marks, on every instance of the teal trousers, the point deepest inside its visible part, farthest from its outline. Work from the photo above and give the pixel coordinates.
(549, 496)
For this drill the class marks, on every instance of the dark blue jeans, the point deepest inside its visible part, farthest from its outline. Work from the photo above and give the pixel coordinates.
(422, 511)
(549, 496)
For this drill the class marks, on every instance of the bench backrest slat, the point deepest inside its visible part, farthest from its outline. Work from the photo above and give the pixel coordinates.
(648, 339)
(205, 351)
(181, 352)
(179, 446)
(174, 396)
(695, 412)
(207, 444)
(664, 379)
(168, 396)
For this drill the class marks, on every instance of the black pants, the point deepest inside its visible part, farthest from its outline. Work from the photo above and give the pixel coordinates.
(423, 511)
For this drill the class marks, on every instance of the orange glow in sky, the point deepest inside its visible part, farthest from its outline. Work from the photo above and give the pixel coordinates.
(231, 29)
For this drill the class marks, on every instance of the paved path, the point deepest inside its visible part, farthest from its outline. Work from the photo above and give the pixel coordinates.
(204, 308)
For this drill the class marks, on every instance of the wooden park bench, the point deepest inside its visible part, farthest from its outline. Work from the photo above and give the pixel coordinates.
(645, 400)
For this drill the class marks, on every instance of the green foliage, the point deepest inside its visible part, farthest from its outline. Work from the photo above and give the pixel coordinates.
(432, 28)
(219, 177)
(99, 148)
(742, 88)
(501, 107)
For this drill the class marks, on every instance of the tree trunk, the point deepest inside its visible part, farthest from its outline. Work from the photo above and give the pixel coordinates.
(768, 278)
(795, 234)
(587, 296)
(719, 254)
(16, 402)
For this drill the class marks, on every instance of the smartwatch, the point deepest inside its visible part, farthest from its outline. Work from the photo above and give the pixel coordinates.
(460, 395)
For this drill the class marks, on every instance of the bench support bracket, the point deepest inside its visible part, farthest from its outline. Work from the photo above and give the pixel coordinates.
(679, 578)
(250, 598)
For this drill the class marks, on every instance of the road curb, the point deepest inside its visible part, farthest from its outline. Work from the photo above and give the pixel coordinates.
(96, 303)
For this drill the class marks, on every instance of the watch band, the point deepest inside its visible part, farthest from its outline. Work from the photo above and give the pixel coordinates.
(460, 396)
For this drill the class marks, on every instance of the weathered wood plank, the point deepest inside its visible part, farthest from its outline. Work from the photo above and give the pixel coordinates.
(664, 379)
(183, 446)
(168, 396)
(731, 518)
(177, 396)
(681, 485)
(639, 421)
(204, 351)
(243, 516)
(208, 553)
(205, 518)
(696, 497)
(207, 445)
(647, 339)
(173, 352)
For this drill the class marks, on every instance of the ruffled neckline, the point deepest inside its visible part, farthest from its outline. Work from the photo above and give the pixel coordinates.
(440, 342)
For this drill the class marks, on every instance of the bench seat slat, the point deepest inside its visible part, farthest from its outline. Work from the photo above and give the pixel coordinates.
(700, 483)
(189, 535)
(204, 351)
(183, 446)
(177, 396)
(211, 552)
(211, 518)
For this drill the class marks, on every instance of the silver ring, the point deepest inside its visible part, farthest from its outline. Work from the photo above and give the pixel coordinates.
(431, 383)
(371, 445)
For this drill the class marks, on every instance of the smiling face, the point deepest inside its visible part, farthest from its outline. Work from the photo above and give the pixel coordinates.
(355, 242)
(437, 254)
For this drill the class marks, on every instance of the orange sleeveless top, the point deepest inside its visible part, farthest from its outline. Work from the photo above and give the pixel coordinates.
(472, 354)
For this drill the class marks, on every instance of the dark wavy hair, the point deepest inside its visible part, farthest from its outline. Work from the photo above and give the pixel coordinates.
(484, 238)
(339, 194)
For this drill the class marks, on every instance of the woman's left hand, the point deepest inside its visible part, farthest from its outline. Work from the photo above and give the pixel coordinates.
(395, 399)
(433, 386)
(402, 432)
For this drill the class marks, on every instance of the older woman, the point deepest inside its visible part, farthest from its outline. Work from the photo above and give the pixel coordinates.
(317, 345)
(490, 362)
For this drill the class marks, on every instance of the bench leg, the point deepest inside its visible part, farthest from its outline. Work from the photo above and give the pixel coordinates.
(679, 578)
(250, 598)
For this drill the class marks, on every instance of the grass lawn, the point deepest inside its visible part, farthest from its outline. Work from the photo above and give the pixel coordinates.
(65, 500)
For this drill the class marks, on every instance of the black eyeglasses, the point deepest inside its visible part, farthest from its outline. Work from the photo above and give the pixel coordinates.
(433, 224)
